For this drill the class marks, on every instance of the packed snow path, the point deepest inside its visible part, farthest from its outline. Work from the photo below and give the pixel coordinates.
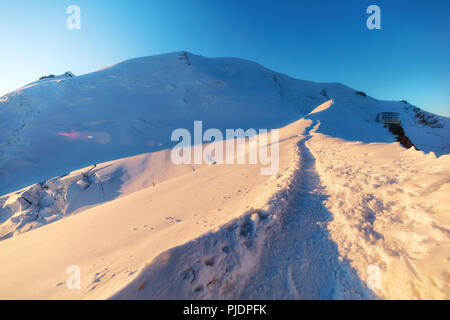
(299, 260)
(286, 255)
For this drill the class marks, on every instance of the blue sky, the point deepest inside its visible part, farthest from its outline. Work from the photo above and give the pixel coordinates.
(313, 40)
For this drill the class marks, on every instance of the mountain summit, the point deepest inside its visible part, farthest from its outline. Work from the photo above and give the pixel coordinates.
(60, 124)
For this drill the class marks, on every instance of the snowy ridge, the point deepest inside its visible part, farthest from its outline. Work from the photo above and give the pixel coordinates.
(347, 199)
(54, 126)
(352, 118)
(133, 229)
(128, 109)
(276, 252)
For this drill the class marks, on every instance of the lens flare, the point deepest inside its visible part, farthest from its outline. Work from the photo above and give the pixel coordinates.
(74, 135)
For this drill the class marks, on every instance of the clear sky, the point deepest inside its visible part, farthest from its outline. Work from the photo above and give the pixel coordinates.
(320, 40)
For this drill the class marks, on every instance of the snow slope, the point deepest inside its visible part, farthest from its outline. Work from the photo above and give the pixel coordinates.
(347, 197)
(50, 128)
(281, 252)
(352, 118)
(55, 126)
(111, 242)
(390, 210)
(53, 199)
(354, 215)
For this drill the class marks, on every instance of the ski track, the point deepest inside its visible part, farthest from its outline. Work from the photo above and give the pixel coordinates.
(285, 253)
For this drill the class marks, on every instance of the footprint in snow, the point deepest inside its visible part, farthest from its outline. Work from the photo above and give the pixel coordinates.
(130, 273)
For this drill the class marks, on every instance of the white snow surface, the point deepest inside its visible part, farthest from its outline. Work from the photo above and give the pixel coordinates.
(55, 126)
(347, 199)
(113, 241)
(391, 211)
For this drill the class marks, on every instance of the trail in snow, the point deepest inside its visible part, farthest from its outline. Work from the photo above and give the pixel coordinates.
(282, 253)
(298, 259)
(389, 205)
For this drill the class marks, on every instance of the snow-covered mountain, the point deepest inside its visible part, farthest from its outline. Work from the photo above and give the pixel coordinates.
(96, 149)
(61, 124)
